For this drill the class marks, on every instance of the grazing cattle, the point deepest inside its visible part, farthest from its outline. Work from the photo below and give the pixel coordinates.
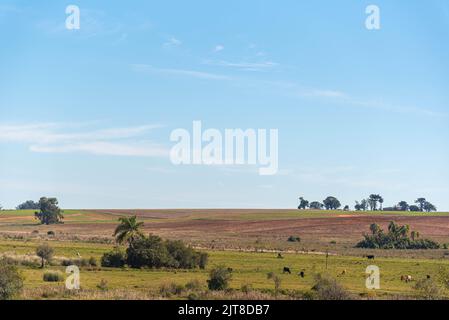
(370, 257)
(230, 270)
(280, 256)
(428, 276)
(287, 270)
(301, 274)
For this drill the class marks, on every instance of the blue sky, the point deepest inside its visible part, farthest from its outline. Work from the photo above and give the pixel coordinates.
(86, 115)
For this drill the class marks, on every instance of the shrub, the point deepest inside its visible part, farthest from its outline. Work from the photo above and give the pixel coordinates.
(103, 285)
(53, 276)
(203, 258)
(294, 239)
(193, 285)
(11, 282)
(183, 257)
(113, 259)
(428, 289)
(327, 288)
(92, 262)
(167, 290)
(219, 278)
(149, 252)
(246, 288)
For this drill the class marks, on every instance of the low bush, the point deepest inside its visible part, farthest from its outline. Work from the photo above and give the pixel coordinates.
(327, 288)
(294, 239)
(103, 285)
(53, 276)
(219, 278)
(428, 289)
(113, 259)
(171, 289)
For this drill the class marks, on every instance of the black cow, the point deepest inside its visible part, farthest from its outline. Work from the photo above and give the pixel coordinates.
(302, 274)
(370, 257)
(287, 270)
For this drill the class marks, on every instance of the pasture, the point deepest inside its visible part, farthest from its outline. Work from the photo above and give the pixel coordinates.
(235, 239)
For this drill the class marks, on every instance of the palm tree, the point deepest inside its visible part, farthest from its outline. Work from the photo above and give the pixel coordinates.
(128, 230)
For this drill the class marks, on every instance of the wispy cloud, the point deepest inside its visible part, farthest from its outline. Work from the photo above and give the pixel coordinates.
(246, 66)
(179, 72)
(218, 48)
(53, 138)
(172, 42)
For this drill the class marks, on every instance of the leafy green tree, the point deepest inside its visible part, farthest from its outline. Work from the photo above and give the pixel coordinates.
(420, 202)
(11, 282)
(331, 203)
(373, 200)
(45, 252)
(428, 207)
(303, 204)
(414, 208)
(49, 212)
(128, 230)
(403, 205)
(316, 205)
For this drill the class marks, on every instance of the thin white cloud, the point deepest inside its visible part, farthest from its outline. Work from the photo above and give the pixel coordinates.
(179, 72)
(52, 138)
(246, 66)
(219, 48)
(105, 148)
(172, 42)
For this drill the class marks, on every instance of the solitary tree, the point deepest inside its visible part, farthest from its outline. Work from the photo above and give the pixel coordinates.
(303, 204)
(128, 230)
(331, 203)
(373, 200)
(420, 202)
(45, 252)
(49, 212)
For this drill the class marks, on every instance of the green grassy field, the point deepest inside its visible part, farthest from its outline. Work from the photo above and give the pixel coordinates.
(249, 267)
